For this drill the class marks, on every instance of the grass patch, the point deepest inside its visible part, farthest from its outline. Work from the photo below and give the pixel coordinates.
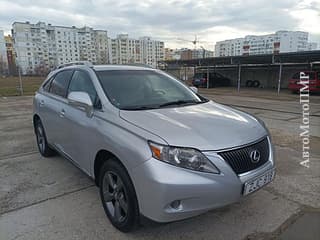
(9, 86)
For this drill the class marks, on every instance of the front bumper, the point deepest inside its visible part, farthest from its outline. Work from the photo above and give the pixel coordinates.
(159, 184)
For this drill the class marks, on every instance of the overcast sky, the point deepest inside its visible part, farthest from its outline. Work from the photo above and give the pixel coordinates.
(167, 20)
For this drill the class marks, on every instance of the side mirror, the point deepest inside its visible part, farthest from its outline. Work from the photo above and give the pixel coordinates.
(194, 89)
(82, 101)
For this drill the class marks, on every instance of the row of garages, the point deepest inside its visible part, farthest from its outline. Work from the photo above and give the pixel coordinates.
(265, 71)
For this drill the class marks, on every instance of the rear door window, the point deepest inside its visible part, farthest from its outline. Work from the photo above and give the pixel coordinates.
(60, 83)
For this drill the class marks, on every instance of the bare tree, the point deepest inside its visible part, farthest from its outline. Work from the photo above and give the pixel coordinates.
(41, 69)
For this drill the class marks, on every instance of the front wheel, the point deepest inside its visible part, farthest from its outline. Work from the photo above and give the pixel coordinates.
(118, 196)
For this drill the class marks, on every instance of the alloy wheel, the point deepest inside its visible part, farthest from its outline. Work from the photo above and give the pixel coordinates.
(115, 196)
(41, 138)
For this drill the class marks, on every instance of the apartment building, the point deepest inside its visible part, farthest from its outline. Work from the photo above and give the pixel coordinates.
(125, 50)
(143, 50)
(231, 47)
(3, 55)
(101, 46)
(65, 45)
(40, 47)
(187, 54)
(278, 42)
(168, 54)
(152, 51)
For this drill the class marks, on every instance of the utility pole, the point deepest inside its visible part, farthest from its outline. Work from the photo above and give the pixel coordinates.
(239, 77)
(20, 81)
(279, 80)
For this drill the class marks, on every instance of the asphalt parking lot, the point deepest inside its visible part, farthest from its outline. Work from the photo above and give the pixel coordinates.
(49, 198)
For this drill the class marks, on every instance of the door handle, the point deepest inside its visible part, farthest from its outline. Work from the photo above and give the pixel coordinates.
(41, 104)
(62, 113)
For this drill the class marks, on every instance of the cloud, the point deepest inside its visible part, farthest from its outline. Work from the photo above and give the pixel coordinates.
(211, 21)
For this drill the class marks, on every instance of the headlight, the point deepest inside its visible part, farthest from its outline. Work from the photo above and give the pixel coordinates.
(263, 125)
(183, 157)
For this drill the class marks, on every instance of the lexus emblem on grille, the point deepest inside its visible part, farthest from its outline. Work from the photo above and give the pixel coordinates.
(255, 156)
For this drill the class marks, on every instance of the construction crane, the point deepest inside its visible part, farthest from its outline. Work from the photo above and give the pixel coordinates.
(194, 42)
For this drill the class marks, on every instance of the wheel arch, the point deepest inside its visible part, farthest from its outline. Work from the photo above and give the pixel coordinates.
(35, 118)
(101, 157)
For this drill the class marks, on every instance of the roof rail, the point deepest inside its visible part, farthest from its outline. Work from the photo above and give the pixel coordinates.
(86, 63)
(138, 65)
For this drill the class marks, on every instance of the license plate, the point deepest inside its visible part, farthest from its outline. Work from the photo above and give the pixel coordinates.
(259, 182)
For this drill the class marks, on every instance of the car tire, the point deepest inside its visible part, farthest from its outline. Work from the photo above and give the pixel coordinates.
(249, 83)
(42, 143)
(118, 196)
(256, 83)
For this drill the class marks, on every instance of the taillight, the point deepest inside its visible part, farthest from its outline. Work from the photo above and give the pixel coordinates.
(203, 80)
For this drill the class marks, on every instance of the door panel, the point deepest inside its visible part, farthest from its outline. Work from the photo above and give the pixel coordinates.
(79, 125)
(54, 104)
(78, 142)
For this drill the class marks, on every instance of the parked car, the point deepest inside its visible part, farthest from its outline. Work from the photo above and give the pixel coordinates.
(314, 81)
(152, 145)
(215, 80)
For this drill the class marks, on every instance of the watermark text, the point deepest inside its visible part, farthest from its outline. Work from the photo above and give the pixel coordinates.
(305, 124)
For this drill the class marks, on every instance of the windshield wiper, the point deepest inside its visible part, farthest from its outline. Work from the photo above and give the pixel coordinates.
(132, 108)
(179, 102)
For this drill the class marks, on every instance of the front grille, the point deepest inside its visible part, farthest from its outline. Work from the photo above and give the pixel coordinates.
(240, 160)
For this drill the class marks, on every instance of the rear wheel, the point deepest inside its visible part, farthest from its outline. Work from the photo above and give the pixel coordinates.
(42, 142)
(118, 196)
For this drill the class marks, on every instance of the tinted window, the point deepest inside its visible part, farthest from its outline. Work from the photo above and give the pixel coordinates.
(200, 75)
(81, 81)
(318, 75)
(60, 83)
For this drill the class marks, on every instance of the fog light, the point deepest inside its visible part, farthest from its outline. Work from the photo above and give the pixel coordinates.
(176, 204)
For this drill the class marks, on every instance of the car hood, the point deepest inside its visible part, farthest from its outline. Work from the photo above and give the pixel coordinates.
(207, 126)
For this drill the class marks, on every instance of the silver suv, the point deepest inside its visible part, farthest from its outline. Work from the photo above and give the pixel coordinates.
(153, 145)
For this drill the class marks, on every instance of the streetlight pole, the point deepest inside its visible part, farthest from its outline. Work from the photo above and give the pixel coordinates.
(19, 71)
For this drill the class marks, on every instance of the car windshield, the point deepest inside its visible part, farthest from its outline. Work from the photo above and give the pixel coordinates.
(145, 89)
